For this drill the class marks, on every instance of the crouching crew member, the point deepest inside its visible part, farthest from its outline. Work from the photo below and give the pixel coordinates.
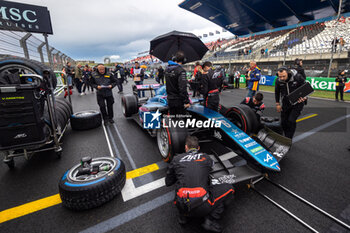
(212, 83)
(195, 196)
(104, 83)
(285, 84)
(256, 104)
(176, 85)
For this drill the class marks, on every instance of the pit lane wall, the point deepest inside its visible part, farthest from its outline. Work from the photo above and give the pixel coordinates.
(318, 83)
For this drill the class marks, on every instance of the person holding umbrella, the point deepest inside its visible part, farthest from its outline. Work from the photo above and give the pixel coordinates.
(176, 85)
(187, 47)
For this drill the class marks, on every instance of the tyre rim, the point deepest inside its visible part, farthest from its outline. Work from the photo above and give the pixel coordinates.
(14, 68)
(163, 142)
(101, 162)
(85, 114)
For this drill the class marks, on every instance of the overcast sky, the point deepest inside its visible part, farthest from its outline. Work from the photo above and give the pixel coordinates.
(93, 29)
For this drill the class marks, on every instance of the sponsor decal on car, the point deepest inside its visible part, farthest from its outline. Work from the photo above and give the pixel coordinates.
(256, 149)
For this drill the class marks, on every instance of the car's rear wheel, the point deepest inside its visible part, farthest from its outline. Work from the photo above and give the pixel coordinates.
(129, 105)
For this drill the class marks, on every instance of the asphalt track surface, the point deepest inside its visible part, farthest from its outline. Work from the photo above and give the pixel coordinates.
(317, 168)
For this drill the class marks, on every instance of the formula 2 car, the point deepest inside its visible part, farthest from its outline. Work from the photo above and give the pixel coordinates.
(240, 146)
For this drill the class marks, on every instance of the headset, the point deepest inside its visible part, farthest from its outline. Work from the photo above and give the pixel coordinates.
(284, 68)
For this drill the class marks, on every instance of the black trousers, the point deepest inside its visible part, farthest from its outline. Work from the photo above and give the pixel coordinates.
(120, 84)
(339, 89)
(212, 102)
(78, 84)
(176, 107)
(219, 195)
(106, 106)
(289, 116)
(236, 82)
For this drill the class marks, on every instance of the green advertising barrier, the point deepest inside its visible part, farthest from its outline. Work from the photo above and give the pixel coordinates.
(317, 83)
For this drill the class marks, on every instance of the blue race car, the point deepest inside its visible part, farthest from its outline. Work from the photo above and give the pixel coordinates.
(241, 147)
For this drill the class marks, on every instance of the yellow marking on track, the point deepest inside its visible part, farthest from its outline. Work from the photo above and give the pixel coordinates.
(307, 117)
(142, 171)
(34, 206)
(29, 208)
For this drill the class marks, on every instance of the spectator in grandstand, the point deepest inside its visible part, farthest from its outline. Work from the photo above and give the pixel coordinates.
(335, 43)
(286, 83)
(340, 84)
(78, 79)
(298, 66)
(256, 104)
(161, 74)
(254, 75)
(176, 85)
(104, 82)
(86, 79)
(266, 52)
(341, 44)
(69, 72)
(212, 83)
(138, 74)
(237, 77)
(117, 73)
(262, 51)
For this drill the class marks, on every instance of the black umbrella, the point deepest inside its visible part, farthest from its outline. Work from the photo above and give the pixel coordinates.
(165, 46)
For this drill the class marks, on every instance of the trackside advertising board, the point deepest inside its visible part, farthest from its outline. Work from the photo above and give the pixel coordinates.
(317, 83)
(23, 17)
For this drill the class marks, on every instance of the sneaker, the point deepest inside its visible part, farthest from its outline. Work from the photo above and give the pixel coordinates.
(81, 94)
(111, 121)
(105, 123)
(211, 225)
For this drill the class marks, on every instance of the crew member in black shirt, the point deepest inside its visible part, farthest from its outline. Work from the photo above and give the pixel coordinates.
(286, 83)
(212, 83)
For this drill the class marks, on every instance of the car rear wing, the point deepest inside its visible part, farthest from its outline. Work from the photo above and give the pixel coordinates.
(145, 87)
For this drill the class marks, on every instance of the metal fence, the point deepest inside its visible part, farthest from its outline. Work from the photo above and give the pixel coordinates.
(27, 45)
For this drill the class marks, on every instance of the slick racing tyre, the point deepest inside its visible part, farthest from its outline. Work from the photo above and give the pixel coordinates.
(129, 105)
(81, 189)
(85, 120)
(17, 65)
(243, 117)
(171, 141)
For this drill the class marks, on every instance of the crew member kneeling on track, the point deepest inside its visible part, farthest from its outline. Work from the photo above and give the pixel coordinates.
(286, 83)
(212, 83)
(256, 104)
(195, 195)
(104, 83)
(176, 85)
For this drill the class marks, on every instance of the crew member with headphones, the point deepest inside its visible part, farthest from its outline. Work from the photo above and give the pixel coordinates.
(286, 83)
(176, 85)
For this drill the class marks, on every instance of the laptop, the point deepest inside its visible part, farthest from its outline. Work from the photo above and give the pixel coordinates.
(302, 91)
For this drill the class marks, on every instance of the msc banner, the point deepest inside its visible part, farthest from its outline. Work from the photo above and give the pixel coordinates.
(23, 17)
